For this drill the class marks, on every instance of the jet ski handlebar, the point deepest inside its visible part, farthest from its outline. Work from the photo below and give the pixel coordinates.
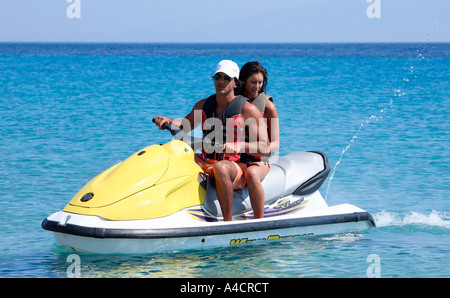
(172, 128)
(195, 143)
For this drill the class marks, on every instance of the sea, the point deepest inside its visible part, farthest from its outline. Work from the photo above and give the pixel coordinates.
(380, 111)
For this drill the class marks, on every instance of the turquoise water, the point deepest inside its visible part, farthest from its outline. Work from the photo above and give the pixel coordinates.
(379, 111)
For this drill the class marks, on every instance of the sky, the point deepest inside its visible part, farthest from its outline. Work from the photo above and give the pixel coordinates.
(290, 21)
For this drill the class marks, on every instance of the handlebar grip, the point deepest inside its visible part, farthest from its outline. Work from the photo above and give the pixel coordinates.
(165, 125)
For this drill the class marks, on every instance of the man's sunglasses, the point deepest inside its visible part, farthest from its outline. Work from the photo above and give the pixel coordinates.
(218, 76)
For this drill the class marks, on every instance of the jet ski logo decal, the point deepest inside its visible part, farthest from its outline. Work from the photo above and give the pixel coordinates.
(286, 204)
(271, 237)
(282, 207)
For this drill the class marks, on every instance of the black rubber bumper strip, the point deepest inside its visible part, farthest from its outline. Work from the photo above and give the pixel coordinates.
(205, 230)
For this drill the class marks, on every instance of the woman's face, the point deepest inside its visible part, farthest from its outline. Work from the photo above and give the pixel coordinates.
(253, 84)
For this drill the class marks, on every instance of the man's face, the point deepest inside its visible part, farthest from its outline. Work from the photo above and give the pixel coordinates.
(223, 83)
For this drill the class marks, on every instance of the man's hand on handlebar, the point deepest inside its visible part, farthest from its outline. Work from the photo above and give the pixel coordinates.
(160, 120)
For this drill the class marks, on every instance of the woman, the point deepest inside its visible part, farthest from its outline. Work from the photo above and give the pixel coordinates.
(253, 77)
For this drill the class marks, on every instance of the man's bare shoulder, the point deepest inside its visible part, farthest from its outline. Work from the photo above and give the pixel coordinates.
(199, 104)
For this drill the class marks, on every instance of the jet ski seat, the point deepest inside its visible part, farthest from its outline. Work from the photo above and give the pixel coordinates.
(285, 177)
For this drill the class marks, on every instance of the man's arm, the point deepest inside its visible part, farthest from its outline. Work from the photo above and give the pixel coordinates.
(189, 122)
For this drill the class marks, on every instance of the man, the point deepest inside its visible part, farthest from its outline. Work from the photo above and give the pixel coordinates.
(233, 122)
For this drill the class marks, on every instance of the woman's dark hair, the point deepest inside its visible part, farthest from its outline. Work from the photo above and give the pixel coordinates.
(237, 90)
(250, 68)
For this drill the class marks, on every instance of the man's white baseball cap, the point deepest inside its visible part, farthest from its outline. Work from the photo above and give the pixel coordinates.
(228, 67)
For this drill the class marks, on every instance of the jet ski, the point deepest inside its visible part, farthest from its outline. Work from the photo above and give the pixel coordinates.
(159, 200)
